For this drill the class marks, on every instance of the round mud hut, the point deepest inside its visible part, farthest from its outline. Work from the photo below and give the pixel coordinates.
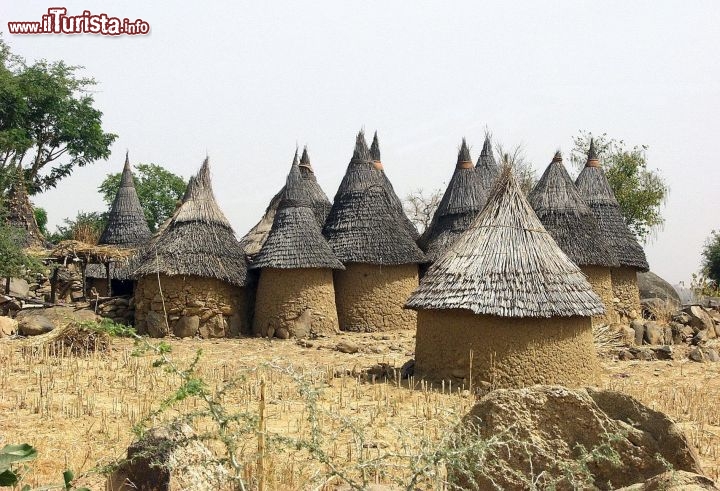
(295, 294)
(126, 228)
(504, 305)
(566, 216)
(253, 241)
(597, 193)
(464, 198)
(191, 278)
(487, 167)
(380, 256)
(396, 203)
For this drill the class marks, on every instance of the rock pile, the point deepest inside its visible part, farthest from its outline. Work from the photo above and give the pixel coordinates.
(120, 310)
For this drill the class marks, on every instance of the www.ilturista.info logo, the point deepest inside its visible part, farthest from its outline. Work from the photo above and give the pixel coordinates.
(56, 21)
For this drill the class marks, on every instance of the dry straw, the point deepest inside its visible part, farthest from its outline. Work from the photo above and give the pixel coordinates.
(198, 240)
(295, 240)
(487, 167)
(464, 198)
(507, 264)
(567, 217)
(595, 190)
(364, 225)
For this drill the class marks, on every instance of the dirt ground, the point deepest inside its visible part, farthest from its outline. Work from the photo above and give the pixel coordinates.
(79, 411)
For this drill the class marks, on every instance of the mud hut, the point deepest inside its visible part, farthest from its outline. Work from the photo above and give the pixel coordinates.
(253, 241)
(126, 228)
(295, 294)
(487, 167)
(597, 193)
(505, 305)
(190, 280)
(396, 202)
(380, 257)
(463, 199)
(572, 224)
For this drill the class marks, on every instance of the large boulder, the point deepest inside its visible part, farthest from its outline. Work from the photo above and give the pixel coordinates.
(19, 287)
(168, 459)
(58, 316)
(700, 319)
(652, 286)
(156, 325)
(674, 481)
(560, 438)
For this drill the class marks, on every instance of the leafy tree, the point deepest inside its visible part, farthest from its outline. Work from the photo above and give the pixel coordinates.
(85, 227)
(158, 190)
(41, 218)
(640, 191)
(15, 262)
(711, 257)
(48, 122)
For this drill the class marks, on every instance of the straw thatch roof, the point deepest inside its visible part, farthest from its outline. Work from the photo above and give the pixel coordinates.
(126, 225)
(508, 265)
(464, 198)
(71, 250)
(395, 200)
(487, 168)
(253, 241)
(198, 240)
(295, 240)
(364, 225)
(564, 213)
(20, 213)
(595, 190)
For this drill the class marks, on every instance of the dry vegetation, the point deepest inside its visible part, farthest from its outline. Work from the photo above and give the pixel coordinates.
(79, 411)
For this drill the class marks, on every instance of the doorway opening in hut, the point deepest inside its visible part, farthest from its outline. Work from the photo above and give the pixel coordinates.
(122, 287)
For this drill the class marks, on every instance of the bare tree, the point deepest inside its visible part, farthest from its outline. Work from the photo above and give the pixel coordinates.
(420, 207)
(523, 169)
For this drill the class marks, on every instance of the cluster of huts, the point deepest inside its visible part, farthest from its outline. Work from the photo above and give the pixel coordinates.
(505, 285)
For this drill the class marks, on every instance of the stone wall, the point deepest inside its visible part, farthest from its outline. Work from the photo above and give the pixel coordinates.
(507, 352)
(295, 303)
(626, 294)
(600, 280)
(370, 298)
(206, 307)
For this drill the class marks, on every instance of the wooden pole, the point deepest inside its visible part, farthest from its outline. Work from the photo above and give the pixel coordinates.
(84, 279)
(109, 283)
(7, 286)
(53, 285)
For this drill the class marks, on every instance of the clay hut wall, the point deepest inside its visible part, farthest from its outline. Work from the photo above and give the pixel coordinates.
(625, 289)
(370, 297)
(600, 280)
(195, 305)
(507, 352)
(295, 300)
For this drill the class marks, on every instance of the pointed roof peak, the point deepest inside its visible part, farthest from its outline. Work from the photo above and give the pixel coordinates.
(126, 180)
(464, 161)
(592, 157)
(487, 146)
(305, 159)
(361, 151)
(557, 157)
(295, 161)
(375, 149)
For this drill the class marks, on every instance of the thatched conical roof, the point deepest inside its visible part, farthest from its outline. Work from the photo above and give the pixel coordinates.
(396, 202)
(126, 225)
(564, 213)
(295, 240)
(597, 193)
(364, 225)
(487, 168)
(198, 240)
(464, 198)
(253, 241)
(508, 265)
(20, 213)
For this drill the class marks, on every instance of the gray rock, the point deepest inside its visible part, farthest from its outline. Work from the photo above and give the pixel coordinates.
(214, 327)
(700, 319)
(35, 325)
(282, 333)
(653, 286)
(156, 325)
(347, 347)
(18, 287)
(654, 333)
(711, 354)
(639, 327)
(682, 318)
(628, 335)
(696, 354)
(674, 481)
(700, 338)
(187, 326)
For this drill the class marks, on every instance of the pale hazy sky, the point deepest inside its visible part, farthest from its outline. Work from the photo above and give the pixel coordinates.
(246, 81)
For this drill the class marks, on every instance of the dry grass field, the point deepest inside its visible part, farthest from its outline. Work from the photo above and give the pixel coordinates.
(79, 411)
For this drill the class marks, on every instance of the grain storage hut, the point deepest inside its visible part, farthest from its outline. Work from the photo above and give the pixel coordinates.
(396, 203)
(486, 166)
(572, 224)
(295, 294)
(464, 198)
(381, 259)
(595, 189)
(507, 293)
(126, 228)
(253, 241)
(195, 271)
